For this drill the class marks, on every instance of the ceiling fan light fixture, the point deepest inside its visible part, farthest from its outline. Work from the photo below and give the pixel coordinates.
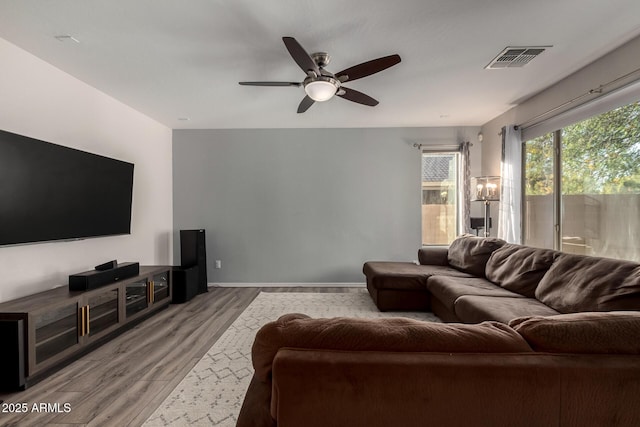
(321, 85)
(321, 88)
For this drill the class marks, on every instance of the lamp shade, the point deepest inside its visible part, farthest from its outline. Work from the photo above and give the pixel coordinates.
(320, 90)
(485, 188)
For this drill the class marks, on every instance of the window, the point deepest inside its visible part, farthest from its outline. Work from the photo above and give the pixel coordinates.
(593, 208)
(439, 197)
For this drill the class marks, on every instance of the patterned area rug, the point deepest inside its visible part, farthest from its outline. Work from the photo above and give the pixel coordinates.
(212, 392)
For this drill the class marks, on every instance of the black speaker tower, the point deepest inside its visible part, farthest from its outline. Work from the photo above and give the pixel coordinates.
(193, 253)
(12, 356)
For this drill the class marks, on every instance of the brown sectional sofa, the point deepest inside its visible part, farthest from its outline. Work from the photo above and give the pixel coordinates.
(561, 348)
(478, 279)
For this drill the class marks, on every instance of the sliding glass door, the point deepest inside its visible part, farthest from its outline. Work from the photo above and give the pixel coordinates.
(601, 184)
(598, 211)
(539, 192)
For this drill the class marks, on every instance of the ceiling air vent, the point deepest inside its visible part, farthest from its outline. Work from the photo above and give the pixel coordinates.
(513, 57)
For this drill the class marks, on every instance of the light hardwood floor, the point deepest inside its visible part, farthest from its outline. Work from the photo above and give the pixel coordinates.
(122, 382)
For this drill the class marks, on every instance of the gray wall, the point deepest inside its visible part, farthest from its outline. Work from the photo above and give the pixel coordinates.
(302, 205)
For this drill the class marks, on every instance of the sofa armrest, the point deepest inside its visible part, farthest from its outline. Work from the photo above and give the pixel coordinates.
(433, 255)
(317, 388)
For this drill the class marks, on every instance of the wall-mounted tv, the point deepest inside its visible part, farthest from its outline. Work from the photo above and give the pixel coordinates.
(50, 192)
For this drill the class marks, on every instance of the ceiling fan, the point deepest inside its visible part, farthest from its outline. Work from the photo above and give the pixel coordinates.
(321, 85)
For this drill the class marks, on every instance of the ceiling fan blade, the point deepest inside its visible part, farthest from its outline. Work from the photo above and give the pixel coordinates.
(359, 97)
(305, 104)
(296, 84)
(367, 68)
(300, 55)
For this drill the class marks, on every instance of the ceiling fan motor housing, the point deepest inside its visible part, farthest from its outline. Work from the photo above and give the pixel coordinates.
(321, 59)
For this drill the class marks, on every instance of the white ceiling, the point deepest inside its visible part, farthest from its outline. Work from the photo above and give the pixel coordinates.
(173, 59)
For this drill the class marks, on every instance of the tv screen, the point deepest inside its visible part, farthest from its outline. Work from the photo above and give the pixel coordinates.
(50, 192)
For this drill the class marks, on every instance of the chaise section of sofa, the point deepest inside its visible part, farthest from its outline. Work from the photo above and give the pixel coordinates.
(396, 285)
(402, 286)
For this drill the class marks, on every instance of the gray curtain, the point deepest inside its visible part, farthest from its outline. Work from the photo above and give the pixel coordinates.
(465, 190)
(510, 205)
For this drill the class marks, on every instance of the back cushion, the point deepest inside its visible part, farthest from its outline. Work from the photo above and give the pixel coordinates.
(470, 254)
(386, 334)
(519, 268)
(583, 283)
(616, 332)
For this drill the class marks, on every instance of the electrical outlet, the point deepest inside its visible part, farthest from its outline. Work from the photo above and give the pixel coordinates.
(218, 263)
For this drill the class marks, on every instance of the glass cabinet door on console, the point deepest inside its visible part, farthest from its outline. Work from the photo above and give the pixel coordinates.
(160, 287)
(55, 331)
(101, 312)
(143, 294)
(137, 297)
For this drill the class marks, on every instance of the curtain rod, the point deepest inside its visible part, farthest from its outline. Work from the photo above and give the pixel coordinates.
(598, 90)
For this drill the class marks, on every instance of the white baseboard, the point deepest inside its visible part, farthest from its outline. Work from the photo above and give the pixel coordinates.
(285, 285)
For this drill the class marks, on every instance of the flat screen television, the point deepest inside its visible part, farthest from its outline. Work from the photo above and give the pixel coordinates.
(50, 192)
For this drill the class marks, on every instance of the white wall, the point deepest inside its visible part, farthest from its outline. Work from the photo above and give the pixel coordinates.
(40, 101)
(303, 205)
(615, 64)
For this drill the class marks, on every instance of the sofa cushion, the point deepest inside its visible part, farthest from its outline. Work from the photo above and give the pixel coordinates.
(404, 275)
(439, 270)
(470, 254)
(577, 283)
(604, 332)
(477, 308)
(395, 275)
(449, 289)
(519, 268)
(386, 334)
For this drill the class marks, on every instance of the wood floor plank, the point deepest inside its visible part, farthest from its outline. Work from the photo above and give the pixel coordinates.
(143, 365)
(128, 404)
(161, 394)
